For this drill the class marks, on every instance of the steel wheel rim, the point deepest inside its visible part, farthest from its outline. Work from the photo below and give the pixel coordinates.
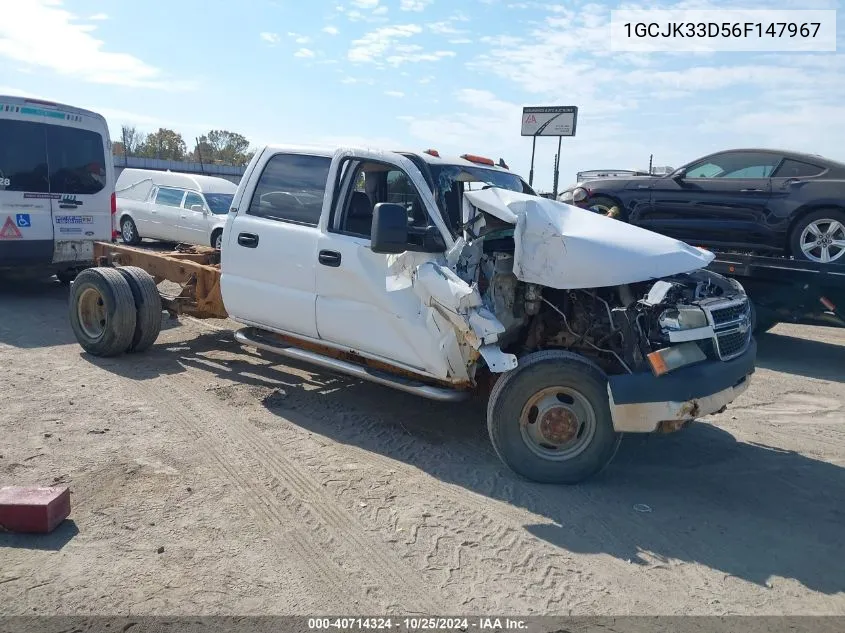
(823, 241)
(91, 310)
(558, 423)
(127, 231)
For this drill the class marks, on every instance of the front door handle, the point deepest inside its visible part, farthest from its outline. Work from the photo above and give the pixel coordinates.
(250, 240)
(329, 258)
(751, 190)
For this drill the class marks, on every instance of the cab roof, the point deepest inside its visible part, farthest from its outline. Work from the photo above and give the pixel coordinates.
(62, 107)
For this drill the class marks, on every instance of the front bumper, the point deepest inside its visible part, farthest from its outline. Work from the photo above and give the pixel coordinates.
(639, 403)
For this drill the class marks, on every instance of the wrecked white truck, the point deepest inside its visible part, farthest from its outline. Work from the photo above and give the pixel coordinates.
(441, 277)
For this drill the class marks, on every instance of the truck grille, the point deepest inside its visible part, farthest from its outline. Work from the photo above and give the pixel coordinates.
(731, 321)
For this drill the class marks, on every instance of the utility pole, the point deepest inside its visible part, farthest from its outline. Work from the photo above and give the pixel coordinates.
(125, 148)
(650, 158)
(531, 173)
(199, 155)
(557, 167)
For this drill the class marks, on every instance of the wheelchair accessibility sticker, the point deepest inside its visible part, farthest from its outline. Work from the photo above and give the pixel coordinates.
(23, 220)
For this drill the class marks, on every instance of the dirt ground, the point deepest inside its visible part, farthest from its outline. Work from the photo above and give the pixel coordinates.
(273, 489)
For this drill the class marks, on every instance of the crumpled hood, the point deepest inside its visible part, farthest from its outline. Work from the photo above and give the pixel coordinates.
(562, 246)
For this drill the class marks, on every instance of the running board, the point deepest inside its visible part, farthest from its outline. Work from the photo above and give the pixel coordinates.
(252, 337)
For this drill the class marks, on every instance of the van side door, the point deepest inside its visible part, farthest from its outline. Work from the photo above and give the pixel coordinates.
(26, 222)
(269, 257)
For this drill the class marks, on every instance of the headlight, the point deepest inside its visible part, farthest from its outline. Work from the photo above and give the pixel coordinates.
(682, 318)
(566, 196)
(579, 194)
(737, 285)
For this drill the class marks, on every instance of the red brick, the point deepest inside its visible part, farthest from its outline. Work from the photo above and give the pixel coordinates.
(33, 509)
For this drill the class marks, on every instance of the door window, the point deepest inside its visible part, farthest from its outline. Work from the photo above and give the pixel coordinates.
(23, 157)
(376, 183)
(191, 199)
(77, 160)
(735, 165)
(169, 197)
(291, 189)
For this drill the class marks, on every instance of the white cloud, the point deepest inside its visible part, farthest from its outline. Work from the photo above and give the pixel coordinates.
(382, 10)
(426, 80)
(375, 44)
(460, 40)
(304, 52)
(331, 30)
(99, 17)
(414, 5)
(66, 46)
(365, 4)
(444, 28)
(270, 38)
(394, 93)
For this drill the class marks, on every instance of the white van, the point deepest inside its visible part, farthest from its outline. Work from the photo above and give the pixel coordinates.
(172, 206)
(56, 186)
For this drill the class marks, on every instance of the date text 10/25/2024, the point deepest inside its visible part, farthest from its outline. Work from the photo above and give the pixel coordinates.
(416, 624)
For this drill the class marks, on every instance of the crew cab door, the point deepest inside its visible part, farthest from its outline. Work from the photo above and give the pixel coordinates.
(357, 307)
(269, 258)
(720, 201)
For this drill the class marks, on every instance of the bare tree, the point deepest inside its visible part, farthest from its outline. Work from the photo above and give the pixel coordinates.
(132, 140)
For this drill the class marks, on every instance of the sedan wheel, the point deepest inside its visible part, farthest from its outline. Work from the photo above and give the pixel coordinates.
(822, 240)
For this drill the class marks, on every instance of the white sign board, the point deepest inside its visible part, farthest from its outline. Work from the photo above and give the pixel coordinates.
(552, 121)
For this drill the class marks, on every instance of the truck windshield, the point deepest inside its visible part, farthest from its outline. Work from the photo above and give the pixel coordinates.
(451, 181)
(219, 203)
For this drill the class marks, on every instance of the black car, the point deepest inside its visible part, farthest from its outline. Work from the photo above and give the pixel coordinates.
(756, 200)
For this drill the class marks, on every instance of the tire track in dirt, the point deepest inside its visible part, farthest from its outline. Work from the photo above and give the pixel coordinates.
(341, 530)
(499, 555)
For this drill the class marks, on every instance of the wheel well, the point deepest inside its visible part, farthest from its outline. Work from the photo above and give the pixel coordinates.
(800, 215)
(215, 233)
(123, 216)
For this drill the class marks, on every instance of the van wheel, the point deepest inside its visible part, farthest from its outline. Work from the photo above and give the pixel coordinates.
(147, 308)
(549, 419)
(217, 239)
(67, 276)
(102, 311)
(129, 232)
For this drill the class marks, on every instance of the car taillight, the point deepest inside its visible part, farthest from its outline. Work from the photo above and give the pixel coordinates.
(114, 232)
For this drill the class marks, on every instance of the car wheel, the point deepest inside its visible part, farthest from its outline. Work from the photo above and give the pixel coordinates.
(102, 311)
(820, 237)
(217, 239)
(129, 232)
(605, 206)
(762, 320)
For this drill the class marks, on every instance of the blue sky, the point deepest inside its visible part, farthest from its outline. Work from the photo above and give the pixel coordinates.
(414, 74)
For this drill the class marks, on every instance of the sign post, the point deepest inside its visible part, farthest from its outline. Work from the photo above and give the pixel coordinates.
(557, 121)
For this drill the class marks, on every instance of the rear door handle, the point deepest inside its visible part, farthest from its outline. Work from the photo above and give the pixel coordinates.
(250, 240)
(329, 258)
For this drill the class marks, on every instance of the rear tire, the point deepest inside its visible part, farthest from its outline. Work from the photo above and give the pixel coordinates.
(571, 436)
(818, 236)
(147, 308)
(217, 239)
(129, 232)
(102, 311)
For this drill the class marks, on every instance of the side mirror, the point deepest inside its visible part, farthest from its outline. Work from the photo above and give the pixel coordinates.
(678, 175)
(390, 228)
(198, 208)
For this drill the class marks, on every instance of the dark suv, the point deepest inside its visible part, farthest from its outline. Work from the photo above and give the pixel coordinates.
(758, 200)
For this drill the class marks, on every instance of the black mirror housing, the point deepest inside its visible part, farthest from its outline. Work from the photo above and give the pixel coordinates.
(390, 228)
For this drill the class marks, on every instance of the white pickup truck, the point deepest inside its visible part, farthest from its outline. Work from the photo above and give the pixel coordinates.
(442, 276)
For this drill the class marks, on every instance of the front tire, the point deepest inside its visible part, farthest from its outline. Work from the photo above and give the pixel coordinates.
(217, 239)
(549, 419)
(605, 206)
(129, 232)
(820, 237)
